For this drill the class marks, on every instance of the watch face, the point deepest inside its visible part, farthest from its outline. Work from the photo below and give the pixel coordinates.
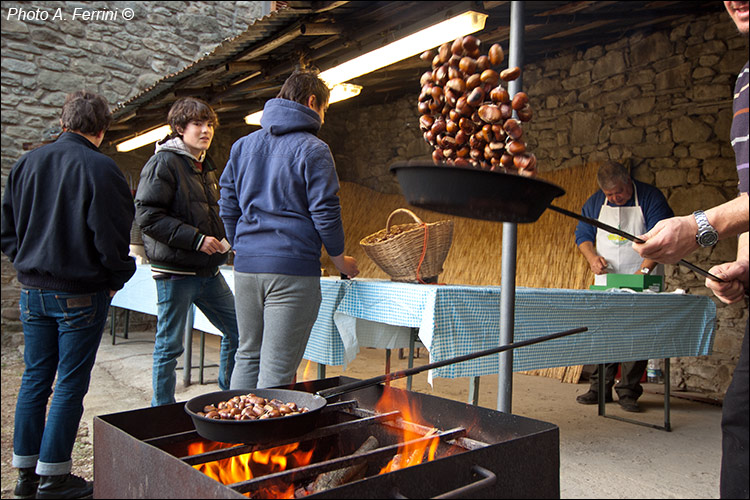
(708, 238)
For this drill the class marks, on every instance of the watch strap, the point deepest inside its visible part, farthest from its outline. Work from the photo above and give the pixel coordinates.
(706, 236)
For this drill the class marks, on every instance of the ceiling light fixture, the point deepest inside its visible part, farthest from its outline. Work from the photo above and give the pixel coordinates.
(339, 92)
(144, 139)
(416, 43)
(403, 48)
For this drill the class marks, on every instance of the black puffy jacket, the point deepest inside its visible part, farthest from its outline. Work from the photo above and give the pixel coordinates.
(176, 206)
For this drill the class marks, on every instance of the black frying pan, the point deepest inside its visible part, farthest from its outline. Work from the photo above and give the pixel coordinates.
(495, 196)
(274, 429)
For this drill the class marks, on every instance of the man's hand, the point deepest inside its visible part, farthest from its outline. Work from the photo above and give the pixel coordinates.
(211, 246)
(736, 280)
(598, 264)
(346, 264)
(670, 240)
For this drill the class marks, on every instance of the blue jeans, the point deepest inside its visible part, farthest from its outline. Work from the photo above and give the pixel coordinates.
(175, 297)
(62, 332)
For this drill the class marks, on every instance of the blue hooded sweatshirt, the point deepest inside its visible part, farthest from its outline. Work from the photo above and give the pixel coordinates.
(279, 200)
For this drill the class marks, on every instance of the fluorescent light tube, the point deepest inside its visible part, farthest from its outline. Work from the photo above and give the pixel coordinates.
(428, 38)
(340, 92)
(144, 139)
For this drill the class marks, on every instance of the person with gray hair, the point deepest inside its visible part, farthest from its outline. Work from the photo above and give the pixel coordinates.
(634, 207)
(611, 174)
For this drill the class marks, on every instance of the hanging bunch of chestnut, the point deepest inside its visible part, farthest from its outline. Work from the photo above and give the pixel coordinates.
(467, 112)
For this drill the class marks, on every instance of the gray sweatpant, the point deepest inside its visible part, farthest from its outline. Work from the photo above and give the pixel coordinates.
(275, 314)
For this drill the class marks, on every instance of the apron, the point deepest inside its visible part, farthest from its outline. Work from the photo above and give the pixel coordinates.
(618, 251)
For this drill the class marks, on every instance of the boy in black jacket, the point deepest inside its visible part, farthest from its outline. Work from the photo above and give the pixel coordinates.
(177, 208)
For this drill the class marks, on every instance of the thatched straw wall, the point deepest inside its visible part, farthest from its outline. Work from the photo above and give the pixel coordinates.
(546, 253)
(547, 256)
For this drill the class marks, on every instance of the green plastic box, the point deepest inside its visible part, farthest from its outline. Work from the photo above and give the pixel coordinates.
(637, 282)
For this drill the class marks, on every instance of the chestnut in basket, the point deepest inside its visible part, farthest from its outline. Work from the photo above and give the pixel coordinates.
(467, 113)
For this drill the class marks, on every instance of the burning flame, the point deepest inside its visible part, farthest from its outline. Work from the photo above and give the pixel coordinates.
(408, 453)
(251, 465)
(288, 457)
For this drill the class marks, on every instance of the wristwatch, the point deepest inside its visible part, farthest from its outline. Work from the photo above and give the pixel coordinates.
(645, 270)
(707, 235)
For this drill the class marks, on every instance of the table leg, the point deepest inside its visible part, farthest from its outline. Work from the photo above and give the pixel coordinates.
(667, 427)
(474, 391)
(410, 363)
(667, 393)
(112, 322)
(388, 365)
(127, 322)
(202, 356)
(187, 357)
(602, 396)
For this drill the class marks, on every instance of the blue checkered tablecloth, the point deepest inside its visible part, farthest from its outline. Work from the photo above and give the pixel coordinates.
(454, 320)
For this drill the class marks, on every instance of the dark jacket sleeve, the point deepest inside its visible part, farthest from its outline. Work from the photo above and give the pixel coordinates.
(110, 219)
(8, 237)
(154, 201)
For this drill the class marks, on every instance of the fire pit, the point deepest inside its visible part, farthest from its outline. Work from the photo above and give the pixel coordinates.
(463, 451)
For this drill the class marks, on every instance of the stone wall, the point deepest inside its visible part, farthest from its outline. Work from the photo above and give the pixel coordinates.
(47, 53)
(658, 101)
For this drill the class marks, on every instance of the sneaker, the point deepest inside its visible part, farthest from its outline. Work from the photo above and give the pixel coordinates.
(64, 486)
(26, 484)
(592, 398)
(629, 403)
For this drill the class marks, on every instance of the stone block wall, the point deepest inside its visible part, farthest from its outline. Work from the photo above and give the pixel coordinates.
(660, 102)
(116, 49)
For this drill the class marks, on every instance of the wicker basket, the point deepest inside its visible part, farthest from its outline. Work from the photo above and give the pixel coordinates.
(415, 252)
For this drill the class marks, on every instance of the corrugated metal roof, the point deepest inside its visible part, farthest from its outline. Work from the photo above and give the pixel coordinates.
(257, 31)
(242, 72)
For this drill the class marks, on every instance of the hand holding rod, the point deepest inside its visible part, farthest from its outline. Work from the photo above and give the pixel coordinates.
(342, 389)
(627, 236)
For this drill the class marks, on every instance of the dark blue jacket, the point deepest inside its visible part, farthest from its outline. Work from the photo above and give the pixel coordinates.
(67, 213)
(279, 198)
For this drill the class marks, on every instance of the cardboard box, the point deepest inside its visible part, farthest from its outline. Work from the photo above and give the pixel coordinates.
(637, 282)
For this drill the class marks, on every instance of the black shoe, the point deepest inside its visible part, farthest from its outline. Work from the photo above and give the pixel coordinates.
(26, 484)
(592, 398)
(64, 486)
(629, 403)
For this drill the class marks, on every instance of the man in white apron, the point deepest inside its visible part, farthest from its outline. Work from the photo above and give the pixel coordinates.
(633, 207)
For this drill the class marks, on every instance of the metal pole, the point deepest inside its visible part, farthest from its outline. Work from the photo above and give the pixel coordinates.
(508, 264)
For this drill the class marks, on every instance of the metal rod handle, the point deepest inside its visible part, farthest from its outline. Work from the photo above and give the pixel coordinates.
(342, 389)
